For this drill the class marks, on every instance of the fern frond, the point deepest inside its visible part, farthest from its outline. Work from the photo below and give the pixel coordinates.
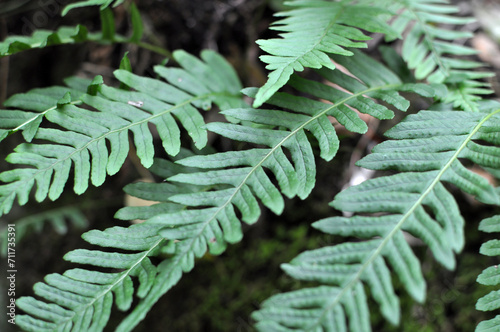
(72, 35)
(117, 112)
(43, 38)
(311, 31)
(82, 299)
(57, 218)
(429, 49)
(102, 3)
(234, 182)
(427, 148)
(490, 276)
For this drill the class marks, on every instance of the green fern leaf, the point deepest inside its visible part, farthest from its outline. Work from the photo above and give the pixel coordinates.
(116, 113)
(80, 299)
(102, 3)
(43, 38)
(426, 148)
(429, 49)
(71, 35)
(312, 31)
(490, 276)
(228, 186)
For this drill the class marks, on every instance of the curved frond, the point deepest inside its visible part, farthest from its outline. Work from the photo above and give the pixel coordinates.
(80, 140)
(427, 148)
(234, 182)
(71, 35)
(311, 31)
(82, 299)
(57, 218)
(102, 3)
(44, 38)
(490, 276)
(429, 49)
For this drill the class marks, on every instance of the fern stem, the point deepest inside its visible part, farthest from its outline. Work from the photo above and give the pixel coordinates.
(154, 48)
(355, 279)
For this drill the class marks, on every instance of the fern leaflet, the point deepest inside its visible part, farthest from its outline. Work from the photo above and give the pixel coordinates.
(116, 113)
(102, 3)
(312, 31)
(489, 276)
(426, 148)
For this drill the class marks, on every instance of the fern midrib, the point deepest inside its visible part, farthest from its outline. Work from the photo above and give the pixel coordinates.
(41, 114)
(356, 278)
(110, 287)
(110, 132)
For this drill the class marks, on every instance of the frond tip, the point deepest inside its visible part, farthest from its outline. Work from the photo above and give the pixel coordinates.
(312, 31)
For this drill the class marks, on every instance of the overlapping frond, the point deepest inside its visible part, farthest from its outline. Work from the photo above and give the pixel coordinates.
(79, 140)
(57, 218)
(429, 48)
(427, 148)
(82, 299)
(71, 35)
(230, 184)
(102, 3)
(490, 276)
(311, 31)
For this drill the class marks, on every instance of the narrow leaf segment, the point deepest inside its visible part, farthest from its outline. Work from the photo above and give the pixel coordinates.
(490, 276)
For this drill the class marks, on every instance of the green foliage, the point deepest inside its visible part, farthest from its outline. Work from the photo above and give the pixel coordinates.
(489, 276)
(81, 299)
(72, 35)
(102, 3)
(84, 133)
(312, 31)
(205, 199)
(429, 49)
(426, 148)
